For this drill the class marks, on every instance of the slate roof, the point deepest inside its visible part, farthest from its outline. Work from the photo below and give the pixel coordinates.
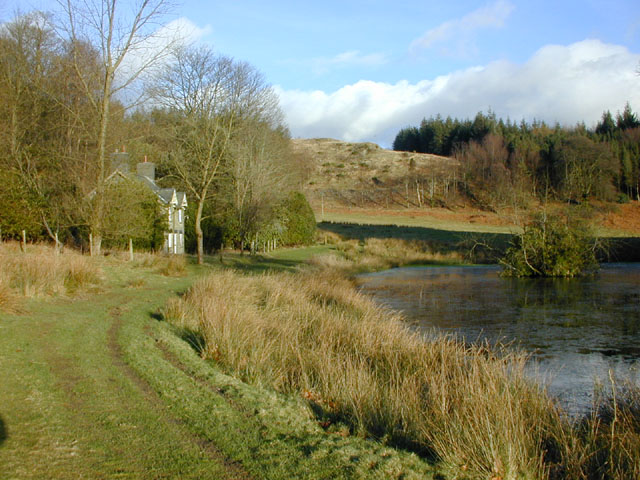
(168, 196)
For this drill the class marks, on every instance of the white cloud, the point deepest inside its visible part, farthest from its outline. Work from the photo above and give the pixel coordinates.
(351, 58)
(565, 84)
(456, 36)
(185, 29)
(154, 47)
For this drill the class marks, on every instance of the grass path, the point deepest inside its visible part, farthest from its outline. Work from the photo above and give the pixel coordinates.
(72, 407)
(101, 387)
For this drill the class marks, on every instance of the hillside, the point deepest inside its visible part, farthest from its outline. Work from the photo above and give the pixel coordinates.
(364, 183)
(364, 175)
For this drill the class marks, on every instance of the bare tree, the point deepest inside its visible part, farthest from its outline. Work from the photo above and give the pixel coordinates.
(209, 94)
(118, 34)
(259, 173)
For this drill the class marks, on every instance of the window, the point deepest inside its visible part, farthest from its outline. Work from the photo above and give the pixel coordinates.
(180, 216)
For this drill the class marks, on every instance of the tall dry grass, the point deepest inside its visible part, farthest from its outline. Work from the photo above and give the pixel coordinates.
(313, 333)
(381, 253)
(472, 408)
(168, 265)
(40, 272)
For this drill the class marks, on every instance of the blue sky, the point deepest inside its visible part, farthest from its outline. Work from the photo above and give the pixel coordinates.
(361, 70)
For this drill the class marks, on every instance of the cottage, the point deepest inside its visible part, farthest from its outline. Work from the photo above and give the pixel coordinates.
(174, 203)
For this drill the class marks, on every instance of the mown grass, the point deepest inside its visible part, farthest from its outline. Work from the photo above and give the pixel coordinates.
(472, 409)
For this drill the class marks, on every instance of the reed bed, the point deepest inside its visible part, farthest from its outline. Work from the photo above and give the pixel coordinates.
(313, 333)
(470, 407)
(380, 253)
(39, 271)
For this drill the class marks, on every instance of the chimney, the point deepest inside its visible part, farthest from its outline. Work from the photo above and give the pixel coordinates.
(120, 161)
(147, 169)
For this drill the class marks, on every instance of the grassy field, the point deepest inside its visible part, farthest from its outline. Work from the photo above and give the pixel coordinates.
(253, 367)
(446, 226)
(96, 385)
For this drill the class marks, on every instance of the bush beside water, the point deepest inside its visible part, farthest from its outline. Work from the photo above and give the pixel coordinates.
(551, 247)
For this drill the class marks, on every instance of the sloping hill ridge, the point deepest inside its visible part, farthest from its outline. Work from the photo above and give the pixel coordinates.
(345, 174)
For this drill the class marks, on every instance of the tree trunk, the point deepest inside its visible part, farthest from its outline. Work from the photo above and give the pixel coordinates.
(199, 234)
(98, 209)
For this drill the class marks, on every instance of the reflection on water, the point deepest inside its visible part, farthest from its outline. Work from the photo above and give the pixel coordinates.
(576, 329)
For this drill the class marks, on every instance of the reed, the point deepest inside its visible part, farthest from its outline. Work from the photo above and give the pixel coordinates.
(355, 362)
(41, 272)
(381, 253)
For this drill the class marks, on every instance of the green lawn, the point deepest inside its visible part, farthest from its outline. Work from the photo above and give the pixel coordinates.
(101, 387)
(413, 221)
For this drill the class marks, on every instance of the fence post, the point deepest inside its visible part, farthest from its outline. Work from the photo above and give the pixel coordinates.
(24, 241)
(130, 250)
(57, 245)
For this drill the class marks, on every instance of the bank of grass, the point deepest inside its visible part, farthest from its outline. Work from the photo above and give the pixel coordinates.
(383, 218)
(346, 371)
(38, 271)
(470, 408)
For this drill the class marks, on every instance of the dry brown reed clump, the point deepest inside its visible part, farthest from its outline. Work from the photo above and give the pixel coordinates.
(313, 333)
(606, 443)
(168, 265)
(381, 253)
(40, 271)
(8, 298)
(173, 265)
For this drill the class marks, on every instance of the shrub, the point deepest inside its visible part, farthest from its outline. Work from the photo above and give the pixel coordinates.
(551, 247)
(299, 220)
(623, 198)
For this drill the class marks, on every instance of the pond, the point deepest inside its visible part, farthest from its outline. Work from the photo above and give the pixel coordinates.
(577, 330)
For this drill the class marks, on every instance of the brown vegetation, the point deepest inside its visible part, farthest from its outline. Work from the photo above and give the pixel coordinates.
(624, 218)
(471, 407)
(365, 175)
(39, 271)
(383, 253)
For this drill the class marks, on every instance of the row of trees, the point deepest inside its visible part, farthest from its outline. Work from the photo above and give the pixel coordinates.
(503, 160)
(77, 86)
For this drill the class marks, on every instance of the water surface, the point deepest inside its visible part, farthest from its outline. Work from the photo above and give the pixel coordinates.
(577, 330)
